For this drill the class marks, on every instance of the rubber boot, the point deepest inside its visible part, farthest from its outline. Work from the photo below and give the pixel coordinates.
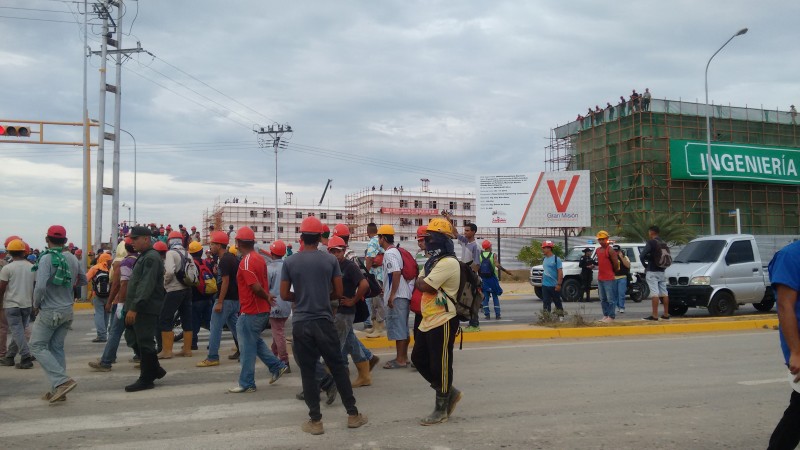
(187, 344)
(146, 370)
(364, 376)
(439, 413)
(166, 345)
(454, 397)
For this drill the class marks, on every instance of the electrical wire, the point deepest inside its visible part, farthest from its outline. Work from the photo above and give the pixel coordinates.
(37, 20)
(34, 9)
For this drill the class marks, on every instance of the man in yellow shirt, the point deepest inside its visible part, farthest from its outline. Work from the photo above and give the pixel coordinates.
(433, 351)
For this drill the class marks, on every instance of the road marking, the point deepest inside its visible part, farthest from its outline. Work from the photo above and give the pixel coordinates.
(760, 382)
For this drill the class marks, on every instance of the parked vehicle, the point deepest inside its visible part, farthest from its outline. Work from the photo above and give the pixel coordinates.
(571, 286)
(719, 273)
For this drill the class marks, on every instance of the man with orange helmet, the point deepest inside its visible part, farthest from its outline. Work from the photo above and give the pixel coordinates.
(279, 313)
(313, 281)
(16, 295)
(178, 298)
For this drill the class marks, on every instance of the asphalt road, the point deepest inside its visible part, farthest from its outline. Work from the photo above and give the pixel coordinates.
(666, 392)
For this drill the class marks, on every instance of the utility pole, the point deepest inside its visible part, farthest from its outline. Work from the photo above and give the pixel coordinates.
(276, 140)
(103, 10)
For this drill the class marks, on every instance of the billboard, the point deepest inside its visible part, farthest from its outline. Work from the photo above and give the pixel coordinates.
(538, 200)
(736, 162)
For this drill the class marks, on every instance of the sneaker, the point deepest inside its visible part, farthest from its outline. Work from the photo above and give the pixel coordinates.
(471, 329)
(622, 310)
(241, 390)
(62, 389)
(277, 375)
(487, 317)
(651, 318)
(314, 428)
(99, 367)
(356, 421)
(235, 355)
(6, 361)
(497, 318)
(98, 340)
(665, 317)
(25, 363)
(48, 395)
(208, 363)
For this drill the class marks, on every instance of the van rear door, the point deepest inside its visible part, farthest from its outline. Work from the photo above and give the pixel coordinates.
(742, 274)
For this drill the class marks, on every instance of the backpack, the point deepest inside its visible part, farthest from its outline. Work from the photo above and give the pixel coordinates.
(486, 269)
(469, 296)
(101, 284)
(663, 258)
(410, 271)
(374, 287)
(207, 284)
(188, 274)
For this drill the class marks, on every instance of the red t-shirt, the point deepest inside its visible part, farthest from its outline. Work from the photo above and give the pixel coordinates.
(252, 269)
(605, 271)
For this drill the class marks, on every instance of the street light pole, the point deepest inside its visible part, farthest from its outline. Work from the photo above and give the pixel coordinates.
(125, 205)
(708, 138)
(277, 141)
(135, 171)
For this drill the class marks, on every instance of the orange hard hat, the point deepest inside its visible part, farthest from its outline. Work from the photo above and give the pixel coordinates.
(220, 237)
(336, 242)
(175, 235)
(278, 248)
(486, 244)
(546, 244)
(422, 231)
(245, 234)
(341, 230)
(311, 225)
(9, 239)
(160, 247)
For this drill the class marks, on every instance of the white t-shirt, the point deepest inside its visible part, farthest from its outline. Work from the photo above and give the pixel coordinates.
(393, 262)
(19, 292)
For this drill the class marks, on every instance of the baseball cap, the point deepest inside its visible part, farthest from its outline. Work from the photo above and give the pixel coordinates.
(56, 231)
(138, 231)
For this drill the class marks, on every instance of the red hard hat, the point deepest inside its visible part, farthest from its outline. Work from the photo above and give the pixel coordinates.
(9, 239)
(245, 234)
(194, 227)
(175, 235)
(341, 230)
(336, 242)
(27, 248)
(128, 240)
(160, 246)
(422, 231)
(548, 244)
(78, 253)
(486, 244)
(311, 225)
(56, 231)
(278, 248)
(220, 237)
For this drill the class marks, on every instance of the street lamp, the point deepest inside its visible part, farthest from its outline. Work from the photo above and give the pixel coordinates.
(125, 205)
(708, 137)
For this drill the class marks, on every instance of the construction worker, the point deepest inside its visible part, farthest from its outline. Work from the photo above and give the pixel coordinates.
(396, 298)
(373, 262)
(16, 301)
(178, 298)
(98, 276)
(226, 306)
(278, 314)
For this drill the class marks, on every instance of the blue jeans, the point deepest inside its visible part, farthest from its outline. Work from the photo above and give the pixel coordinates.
(100, 317)
(18, 319)
(109, 356)
(348, 340)
(201, 317)
(229, 314)
(608, 297)
(550, 295)
(47, 343)
(368, 320)
(622, 289)
(248, 328)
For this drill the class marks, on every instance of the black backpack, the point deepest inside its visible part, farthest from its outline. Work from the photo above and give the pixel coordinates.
(101, 284)
(374, 287)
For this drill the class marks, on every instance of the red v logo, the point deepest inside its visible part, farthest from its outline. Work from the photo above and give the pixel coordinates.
(559, 198)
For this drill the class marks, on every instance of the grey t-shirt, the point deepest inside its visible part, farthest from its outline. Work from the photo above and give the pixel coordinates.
(470, 252)
(310, 274)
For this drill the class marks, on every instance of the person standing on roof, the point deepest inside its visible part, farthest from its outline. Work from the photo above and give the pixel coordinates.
(226, 306)
(178, 298)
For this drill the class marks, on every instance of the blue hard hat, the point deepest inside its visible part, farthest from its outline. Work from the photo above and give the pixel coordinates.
(31, 257)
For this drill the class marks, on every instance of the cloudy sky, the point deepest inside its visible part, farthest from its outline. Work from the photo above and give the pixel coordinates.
(378, 92)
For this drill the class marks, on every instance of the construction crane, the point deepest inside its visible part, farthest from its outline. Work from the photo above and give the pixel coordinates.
(327, 185)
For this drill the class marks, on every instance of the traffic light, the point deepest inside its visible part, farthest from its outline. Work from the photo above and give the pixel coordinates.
(15, 130)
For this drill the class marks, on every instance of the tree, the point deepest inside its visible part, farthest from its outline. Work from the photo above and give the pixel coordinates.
(532, 254)
(674, 231)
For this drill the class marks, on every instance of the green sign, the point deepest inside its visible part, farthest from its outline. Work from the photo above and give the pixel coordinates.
(736, 162)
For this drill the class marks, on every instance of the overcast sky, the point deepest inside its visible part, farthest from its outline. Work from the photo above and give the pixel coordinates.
(378, 92)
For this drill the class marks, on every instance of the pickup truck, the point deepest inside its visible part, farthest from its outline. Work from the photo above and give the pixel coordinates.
(719, 273)
(571, 286)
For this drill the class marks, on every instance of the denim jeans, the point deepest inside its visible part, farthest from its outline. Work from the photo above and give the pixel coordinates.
(550, 295)
(312, 339)
(248, 328)
(348, 340)
(621, 288)
(229, 314)
(109, 356)
(47, 343)
(608, 297)
(201, 317)
(368, 320)
(100, 317)
(18, 319)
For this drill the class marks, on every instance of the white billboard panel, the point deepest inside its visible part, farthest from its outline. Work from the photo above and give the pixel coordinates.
(538, 200)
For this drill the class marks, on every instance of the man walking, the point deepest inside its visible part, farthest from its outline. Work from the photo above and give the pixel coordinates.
(145, 299)
(654, 275)
(57, 272)
(621, 278)
(312, 280)
(98, 276)
(278, 313)
(552, 277)
(607, 264)
(396, 297)
(16, 301)
(226, 307)
(178, 298)
(373, 263)
(470, 255)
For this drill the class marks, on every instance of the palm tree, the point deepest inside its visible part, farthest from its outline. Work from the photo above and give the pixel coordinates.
(674, 231)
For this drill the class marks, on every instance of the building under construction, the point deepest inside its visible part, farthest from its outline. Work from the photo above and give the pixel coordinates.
(654, 161)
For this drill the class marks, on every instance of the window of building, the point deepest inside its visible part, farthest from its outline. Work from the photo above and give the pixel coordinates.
(351, 217)
(404, 203)
(253, 213)
(266, 213)
(466, 222)
(296, 229)
(467, 206)
(418, 204)
(298, 215)
(264, 229)
(269, 229)
(418, 222)
(254, 228)
(432, 204)
(311, 214)
(280, 228)
(323, 216)
(453, 205)
(403, 238)
(339, 216)
(280, 214)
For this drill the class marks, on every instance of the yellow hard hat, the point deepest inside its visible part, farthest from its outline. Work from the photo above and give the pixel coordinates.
(441, 225)
(195, 247)
(16, 245)
(386, 229)
(602, 234)
(233, 250)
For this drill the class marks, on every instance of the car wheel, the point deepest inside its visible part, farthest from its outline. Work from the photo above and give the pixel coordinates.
(723, 304)
(571, 290)
(678, 310)
(764, 305)
(538, 291)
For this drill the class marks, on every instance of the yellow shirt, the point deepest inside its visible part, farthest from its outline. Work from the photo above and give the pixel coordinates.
(444, 277)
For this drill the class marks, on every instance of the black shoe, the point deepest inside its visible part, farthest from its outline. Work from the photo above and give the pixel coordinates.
(194, 347)
(160, 373)
(234, 356)
(651, 318)
(25, 364)
(300, 396)
(497, 318)
(139, 385)
(97, 339)
(7, 361)
(331, 393)
(487, 317)
(665, 317)
(178, 337)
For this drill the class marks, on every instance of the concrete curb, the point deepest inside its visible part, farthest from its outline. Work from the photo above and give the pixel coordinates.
(597, 331)
(82, 306)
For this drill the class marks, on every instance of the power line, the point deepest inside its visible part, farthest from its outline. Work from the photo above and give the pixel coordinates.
(38, 20)
(35, 9)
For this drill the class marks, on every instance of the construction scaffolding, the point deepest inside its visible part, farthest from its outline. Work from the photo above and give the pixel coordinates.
(629, 158)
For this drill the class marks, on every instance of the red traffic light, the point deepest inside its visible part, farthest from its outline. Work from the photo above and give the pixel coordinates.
(20, 131)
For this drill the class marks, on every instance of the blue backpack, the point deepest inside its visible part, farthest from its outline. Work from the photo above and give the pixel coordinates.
(486, 268)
